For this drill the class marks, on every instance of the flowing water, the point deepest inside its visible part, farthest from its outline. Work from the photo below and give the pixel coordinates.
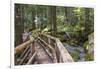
(79, 49)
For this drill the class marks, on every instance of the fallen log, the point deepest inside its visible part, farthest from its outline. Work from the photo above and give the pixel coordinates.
(31, 59)
(49, 46)
(53, 51)
(25, 51)
(23, 59)
(22, 46)
(63, 53)
(41, 57)
(49, 39)
(32, 48)
(49, 54)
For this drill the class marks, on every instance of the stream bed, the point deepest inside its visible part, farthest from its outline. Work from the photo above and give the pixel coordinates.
(77, 51)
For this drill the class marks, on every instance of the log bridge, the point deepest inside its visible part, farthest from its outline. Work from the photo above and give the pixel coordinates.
(43, 49)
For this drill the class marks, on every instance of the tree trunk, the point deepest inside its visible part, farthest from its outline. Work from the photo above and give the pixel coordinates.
(86, 19)
(53, 20)
(33, 19)
(48, 17)
(19, 24)
(68, 15)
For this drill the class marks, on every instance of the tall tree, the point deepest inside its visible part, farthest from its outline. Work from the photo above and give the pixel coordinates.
(87, 22)
(33, 19)
(69, 15)
(53, 20)
(19, 24)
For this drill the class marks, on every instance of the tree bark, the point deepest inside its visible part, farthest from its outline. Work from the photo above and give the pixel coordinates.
(19, 24)
(63, 53)
(33, 19)
(31, 59)
(22, 46)
(53, 20)
(86, 20)
(68, 15)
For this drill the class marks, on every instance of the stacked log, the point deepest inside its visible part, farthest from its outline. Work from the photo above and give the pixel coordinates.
(28, 52)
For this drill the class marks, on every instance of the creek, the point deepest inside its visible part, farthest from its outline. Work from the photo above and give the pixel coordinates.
(79, 49)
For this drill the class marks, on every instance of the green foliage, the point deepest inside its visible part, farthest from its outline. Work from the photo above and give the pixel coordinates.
(79, 27)
(61, 26)
(46, 30)
(86, 45)
(73, 42)
(78, 12)
(89, 57)
(75, 55)
(60, 20)
(35, 32)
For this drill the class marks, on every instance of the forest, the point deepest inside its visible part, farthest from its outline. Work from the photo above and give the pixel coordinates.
(73, 26)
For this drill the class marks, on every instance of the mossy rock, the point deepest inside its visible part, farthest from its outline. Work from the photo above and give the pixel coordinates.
(89, 57)
(89, 48)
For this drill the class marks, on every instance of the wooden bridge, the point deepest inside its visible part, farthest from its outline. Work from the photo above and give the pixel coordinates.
(43, 49)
